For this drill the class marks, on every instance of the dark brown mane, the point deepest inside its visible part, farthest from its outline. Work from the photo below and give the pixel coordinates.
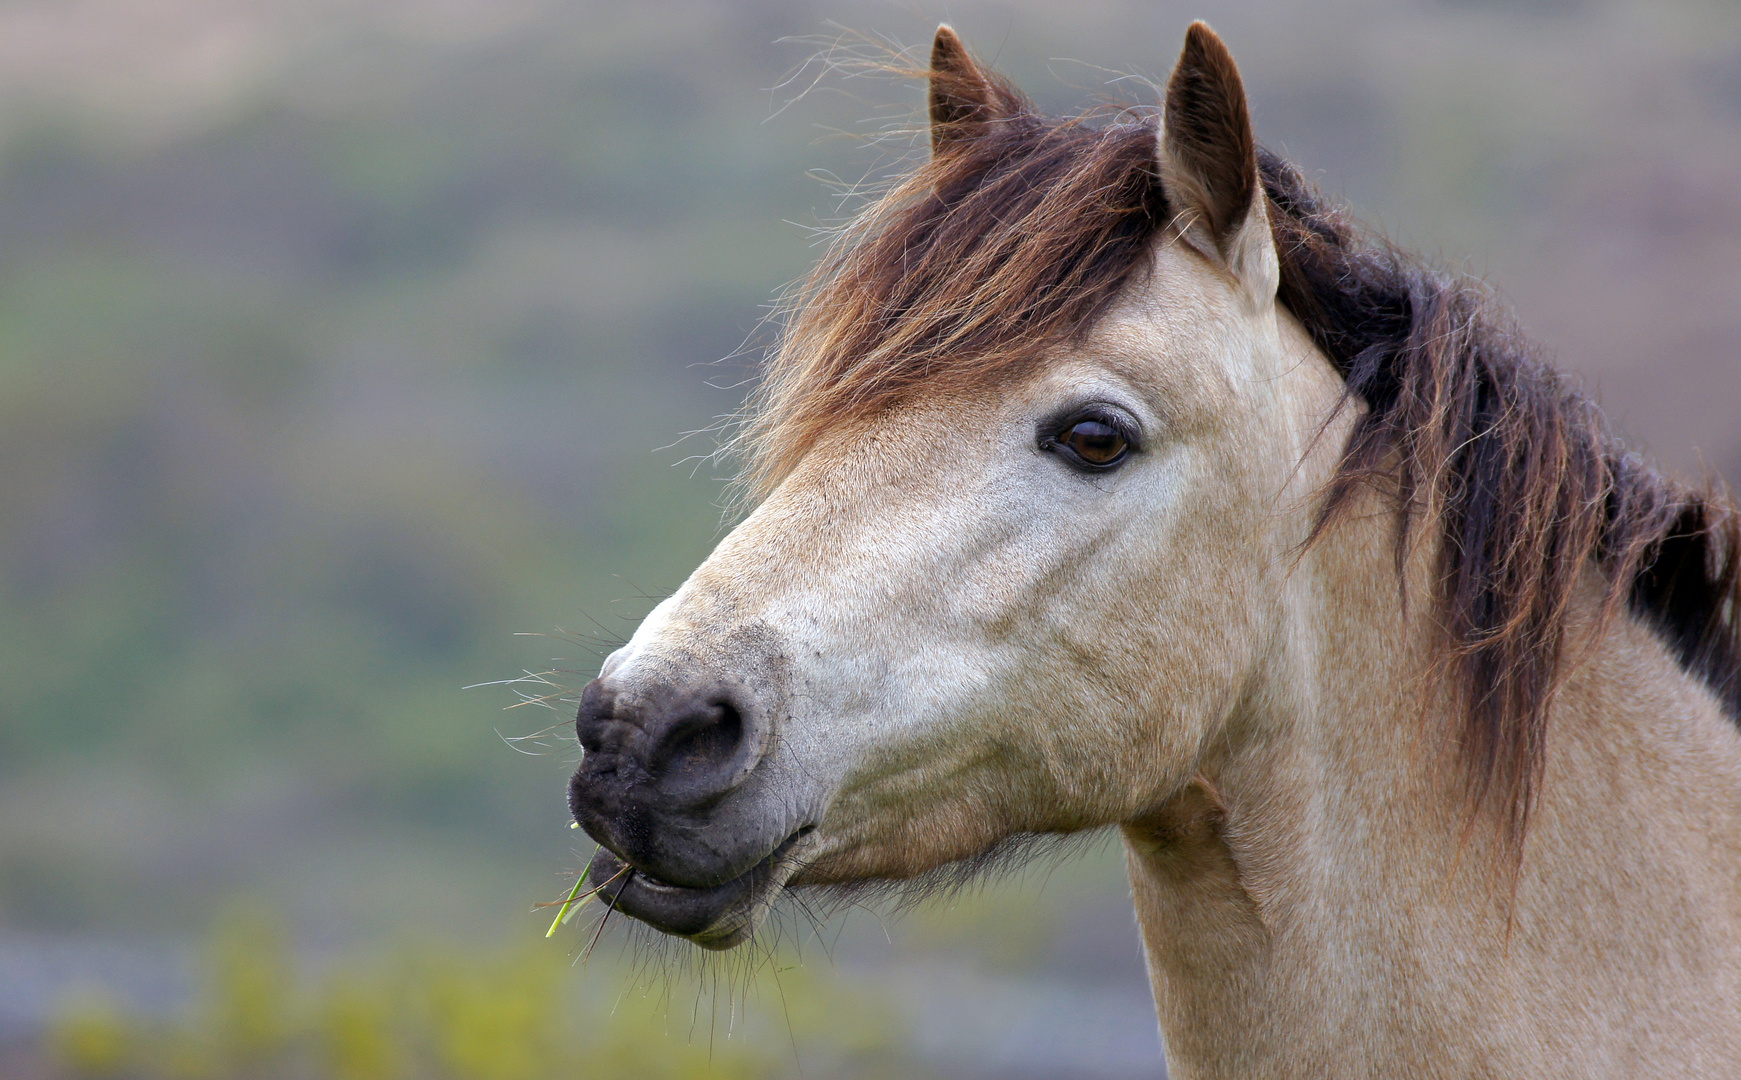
(1019, 238)
(1529, 489)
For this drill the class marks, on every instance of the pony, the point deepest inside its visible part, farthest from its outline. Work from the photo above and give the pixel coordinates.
(1105, 474)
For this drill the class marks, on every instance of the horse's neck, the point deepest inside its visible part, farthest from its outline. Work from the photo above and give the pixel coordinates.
(1322, 903)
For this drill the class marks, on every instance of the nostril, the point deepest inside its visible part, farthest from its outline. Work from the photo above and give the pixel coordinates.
(662, 745)
(701, 744)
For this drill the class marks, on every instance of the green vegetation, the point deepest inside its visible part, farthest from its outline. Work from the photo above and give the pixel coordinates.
(444, 1012)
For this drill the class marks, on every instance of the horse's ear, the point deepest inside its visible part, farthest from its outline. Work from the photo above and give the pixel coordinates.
(963, 99)
(1208, 161)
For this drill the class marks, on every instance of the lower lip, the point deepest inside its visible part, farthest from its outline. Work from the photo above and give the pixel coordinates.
(714, 918)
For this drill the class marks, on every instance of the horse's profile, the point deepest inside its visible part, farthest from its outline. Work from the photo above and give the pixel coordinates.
(1105, 474)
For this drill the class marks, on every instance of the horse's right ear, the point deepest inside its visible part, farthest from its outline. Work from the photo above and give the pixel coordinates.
(964, 100)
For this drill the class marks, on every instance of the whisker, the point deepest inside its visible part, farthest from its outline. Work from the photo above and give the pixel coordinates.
(626, 873)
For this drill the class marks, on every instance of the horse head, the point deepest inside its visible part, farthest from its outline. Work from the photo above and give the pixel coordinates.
(1030, 464)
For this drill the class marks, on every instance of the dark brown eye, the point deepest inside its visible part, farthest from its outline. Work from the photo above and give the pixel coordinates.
(1095, 443)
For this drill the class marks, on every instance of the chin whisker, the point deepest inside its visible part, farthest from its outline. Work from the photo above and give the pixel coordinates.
(627, 874)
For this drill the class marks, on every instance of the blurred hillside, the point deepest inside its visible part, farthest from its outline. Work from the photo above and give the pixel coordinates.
(340, 342)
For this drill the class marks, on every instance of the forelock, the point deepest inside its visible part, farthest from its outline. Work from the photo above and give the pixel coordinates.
(960, 275)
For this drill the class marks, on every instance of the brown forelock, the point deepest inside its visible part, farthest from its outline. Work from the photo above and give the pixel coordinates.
(1466, 427)
(962, 274)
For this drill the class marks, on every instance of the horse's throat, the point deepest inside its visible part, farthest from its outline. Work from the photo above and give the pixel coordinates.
(1207, 941)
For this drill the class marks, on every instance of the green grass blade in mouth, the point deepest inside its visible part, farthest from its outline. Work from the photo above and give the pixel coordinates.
(568, 905)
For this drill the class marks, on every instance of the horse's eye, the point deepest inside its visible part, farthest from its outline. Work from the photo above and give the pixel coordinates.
(1094, 443)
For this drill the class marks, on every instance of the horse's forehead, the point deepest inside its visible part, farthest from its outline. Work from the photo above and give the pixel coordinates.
(1163, 342)
(1183, 298)
(1168, 337)
(915, 440)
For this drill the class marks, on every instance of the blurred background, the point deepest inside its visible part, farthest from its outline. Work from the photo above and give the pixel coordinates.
(341, 342)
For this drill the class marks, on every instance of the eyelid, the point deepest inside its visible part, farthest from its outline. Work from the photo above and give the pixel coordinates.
(1114, 419)
(1105, 412)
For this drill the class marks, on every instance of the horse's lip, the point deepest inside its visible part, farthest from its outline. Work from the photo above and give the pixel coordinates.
(715, 917)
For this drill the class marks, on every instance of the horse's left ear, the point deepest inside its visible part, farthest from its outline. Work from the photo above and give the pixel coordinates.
(1208, 162)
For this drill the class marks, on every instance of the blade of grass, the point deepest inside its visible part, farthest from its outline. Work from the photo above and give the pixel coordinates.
(568, 904)
(585, 896)
(580, 901)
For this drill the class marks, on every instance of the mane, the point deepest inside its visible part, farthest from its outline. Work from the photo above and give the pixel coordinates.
(966, 270)
(1530, 491)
